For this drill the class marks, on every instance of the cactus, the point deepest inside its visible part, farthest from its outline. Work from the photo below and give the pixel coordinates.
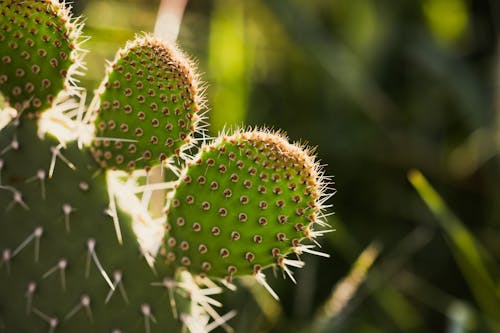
(150, 98)
(92, 237)
(40, 52)
(244, 203)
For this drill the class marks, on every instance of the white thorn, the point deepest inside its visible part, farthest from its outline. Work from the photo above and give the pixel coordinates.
(307, 249)
(24, 243)
(261, 279)
(199, 297)
(53, 324)
(146, 311)
(61, 266)
(73, 311)
(84, 186)
(84, 303)
(293, 263)
(114, 214)
(17, 198)
(81, 108)
(228, 316)
(319, 233)
(41, 177)
(67, 210)
(90, 246)
(228, 284)
(192, 324)
(14, 144)
(155, 187)
(6, 259)
(92, 254)
(287, 271)
(117, 276)
(101, 138)
(56, 152)
(41, 315)
(123, 292)
(169, 284)
(38, 235)
(111, 291)
(29, 296)
(170, 164)
(52, 163)
(217, 318)
(52, 321)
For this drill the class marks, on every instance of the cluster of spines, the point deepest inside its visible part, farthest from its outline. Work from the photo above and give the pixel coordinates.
(244, 203)
(149, 106)
(41, 46)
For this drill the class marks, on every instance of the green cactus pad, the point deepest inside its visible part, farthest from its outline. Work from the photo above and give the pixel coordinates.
(59, 250)
(148, 106)
(38, 52)
(244, 203)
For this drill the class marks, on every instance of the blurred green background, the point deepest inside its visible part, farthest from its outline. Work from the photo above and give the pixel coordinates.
(383, 88)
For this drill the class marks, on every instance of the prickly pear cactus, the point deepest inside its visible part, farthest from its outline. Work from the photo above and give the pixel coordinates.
(40, 44)
(92, 237)
(63, 268)
(244, 203)
(148, 104)
(68, 261)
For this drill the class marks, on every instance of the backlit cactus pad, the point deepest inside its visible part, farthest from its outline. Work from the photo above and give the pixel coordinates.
(148, 106)
(40, 52)
(245, 202)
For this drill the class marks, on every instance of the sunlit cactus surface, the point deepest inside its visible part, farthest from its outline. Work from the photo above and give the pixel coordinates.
(122, 216)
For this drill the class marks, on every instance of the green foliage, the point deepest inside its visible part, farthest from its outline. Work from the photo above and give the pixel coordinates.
(469, 255)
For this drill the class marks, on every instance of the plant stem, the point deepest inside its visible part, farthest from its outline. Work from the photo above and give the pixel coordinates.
(169, 19)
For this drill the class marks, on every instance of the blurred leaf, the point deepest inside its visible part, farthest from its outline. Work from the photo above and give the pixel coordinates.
(345, 289)
(338, 60)
(479, 148)
(456, 79)
(447, 19)
(230, 61)
(402, 311)
(469, 256)
(270, 307)
(126, 15)
(440, 301)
